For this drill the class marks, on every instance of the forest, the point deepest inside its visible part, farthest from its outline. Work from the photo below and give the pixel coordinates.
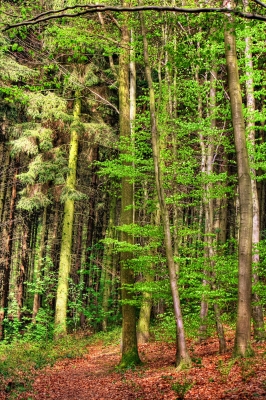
(132, 178)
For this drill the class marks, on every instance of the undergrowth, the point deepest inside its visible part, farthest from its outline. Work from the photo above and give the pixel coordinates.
(20, 360)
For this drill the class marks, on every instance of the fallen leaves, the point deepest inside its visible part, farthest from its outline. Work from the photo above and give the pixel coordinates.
(212, 376)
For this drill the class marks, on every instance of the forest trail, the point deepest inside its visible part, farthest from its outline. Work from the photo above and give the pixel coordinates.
(213, 376)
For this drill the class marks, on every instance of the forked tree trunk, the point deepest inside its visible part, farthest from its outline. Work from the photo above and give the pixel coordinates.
(182, 356)
(243, 325)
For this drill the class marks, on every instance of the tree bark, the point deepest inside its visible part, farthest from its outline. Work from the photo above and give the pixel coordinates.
(38, 272)
(130, 354)
(66, 241)
(257, 310)
(182, 356)
(6, 265)
(243, 328)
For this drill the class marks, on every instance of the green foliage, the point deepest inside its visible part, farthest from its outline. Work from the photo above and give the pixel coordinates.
(21, 360)
(12, 71)
(47, 107)
(181, 388)
(72, 194)
(33, 203)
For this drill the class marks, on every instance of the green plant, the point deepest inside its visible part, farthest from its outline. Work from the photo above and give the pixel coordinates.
(225, 367)
(42, 329)
(181, 388)
(20, 359)
(247, 368)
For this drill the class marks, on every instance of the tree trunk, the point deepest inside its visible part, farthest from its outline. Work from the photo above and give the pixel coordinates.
(66, 241)
(257, 310)
(6, 265)
(37, 278)
(182, 356)
(130, 354)
(143, 330)
(23, 266)
(243, 328)
(107, 264)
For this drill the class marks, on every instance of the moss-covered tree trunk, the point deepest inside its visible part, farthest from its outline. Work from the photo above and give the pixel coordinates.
(130, 354)
(66, 241)
(107, 264)
(243, 326)
(37, 278)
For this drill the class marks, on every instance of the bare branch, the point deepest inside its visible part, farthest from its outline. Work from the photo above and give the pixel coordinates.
(90, 9)
(62, 10)
(105, 101)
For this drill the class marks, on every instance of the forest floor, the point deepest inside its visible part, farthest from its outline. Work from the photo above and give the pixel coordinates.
(95, 376)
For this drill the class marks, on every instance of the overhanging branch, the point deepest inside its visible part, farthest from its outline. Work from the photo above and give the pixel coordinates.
(260, 3)
(90, 9)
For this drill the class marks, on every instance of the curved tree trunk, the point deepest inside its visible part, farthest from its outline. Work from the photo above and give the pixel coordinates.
(182, 356)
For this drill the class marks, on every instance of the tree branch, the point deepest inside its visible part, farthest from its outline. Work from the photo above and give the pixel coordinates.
(90, 9)
(260, 3)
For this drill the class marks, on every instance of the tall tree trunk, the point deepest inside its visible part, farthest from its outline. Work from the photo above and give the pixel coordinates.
(243, 328)
(107, 264)
(129, 336)
(23, 266)
(143, 330)
(5, 160)
(6, 265)
(38, 271)
(257, 310)
(66, 241)
(182, 356)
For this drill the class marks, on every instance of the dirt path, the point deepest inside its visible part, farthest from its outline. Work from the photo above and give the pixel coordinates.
(213, 377)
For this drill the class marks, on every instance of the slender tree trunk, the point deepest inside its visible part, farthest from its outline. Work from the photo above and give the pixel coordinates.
(182, 356)
(257, 310)
(107, 264)
(143, 330)
(243, 328)
(129, 336)
(5, 160)
(23, 266)
(6, 265)
(66, 241)
(38, 272)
